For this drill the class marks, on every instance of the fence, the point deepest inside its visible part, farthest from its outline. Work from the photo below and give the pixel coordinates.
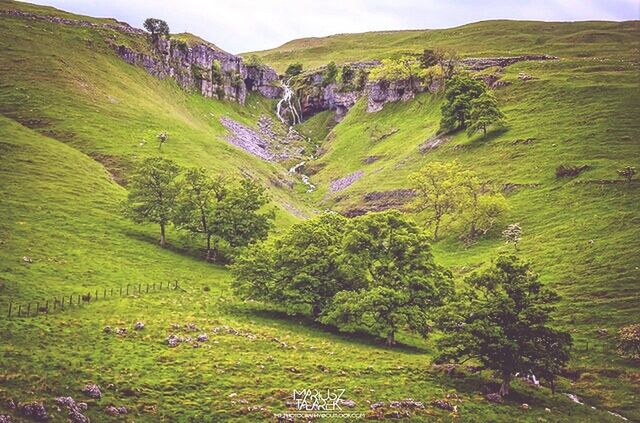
(34, 308)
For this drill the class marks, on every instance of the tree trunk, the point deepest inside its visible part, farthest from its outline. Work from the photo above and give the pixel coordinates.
(435, 229)
(484, 132)
(316, 310)
(163, 238)
(208, 247)
(506, 383)
(391, 339)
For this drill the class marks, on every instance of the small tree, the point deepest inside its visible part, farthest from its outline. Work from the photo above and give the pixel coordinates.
(484, 113)
(512, 235)
(162, 138)
(501, 320)
(346, 75)
(627, 173)
(439, 191)
(293, 69)
(198, 204)
(156, 27)
(447, 60)
(330, 73)
(482, 206)
(629, 341)
(456, 109)
(153, 192)
(392, 257)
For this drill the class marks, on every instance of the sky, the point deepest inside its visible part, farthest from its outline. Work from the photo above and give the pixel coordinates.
(248, 25)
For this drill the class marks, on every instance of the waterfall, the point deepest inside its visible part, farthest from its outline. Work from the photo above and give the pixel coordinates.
(287, 96)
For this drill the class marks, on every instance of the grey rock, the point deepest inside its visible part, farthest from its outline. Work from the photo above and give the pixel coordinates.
(138, 326)
(92, 390)
(34, 410)
(342, 183)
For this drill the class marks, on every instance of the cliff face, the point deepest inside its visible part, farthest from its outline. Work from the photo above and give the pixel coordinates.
(213, 73)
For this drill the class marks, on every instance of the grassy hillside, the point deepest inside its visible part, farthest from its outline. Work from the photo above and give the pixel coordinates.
(611, 40)
(75, 119)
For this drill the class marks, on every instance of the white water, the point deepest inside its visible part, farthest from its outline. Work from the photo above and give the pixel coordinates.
(287, 96)
(305, 178)
(574, 398)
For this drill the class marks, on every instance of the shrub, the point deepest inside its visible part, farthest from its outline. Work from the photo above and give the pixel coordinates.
(629, 341)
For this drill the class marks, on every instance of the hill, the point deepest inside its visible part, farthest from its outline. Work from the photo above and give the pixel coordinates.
(600, 39)
(76, 118)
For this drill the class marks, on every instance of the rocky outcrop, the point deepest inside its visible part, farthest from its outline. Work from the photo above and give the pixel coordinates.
(247, 139)
(342, 183)
(213, 73)
(201, 67)
(481, 63)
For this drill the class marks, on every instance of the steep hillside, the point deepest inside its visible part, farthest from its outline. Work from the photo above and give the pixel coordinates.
(617, 40)
(75, 118)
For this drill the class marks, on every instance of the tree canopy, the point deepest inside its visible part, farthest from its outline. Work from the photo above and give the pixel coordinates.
(156, 27)
(501, 320)
(461, 89)
(484, 113)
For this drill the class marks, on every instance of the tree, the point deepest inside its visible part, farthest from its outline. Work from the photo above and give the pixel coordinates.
(162, 138)
(459, 92)
(302, 267)
(330, 73)
(512, 235)
(157, 27)
(392, 258)
(293, 69)
(439, 191)
(482, 207)
(153, 193)
(406, 68)
(239, 220)
(502, 321)
(629, 341)
(447, 60)
(346, 75)
(198, 204)
(484, 113)
(627, 173)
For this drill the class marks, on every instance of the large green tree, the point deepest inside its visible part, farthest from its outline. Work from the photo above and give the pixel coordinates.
(502, 320)
(484, 113)
(153, 192)
(301, 267)
(391, 256)
(460, 91)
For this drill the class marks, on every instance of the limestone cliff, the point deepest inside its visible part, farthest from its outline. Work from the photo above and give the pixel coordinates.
(202, 67)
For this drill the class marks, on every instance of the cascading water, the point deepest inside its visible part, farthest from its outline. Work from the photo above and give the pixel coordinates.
(305, 178)
(287, 97)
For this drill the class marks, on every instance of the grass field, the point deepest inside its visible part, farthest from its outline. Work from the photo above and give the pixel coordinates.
(74, 115)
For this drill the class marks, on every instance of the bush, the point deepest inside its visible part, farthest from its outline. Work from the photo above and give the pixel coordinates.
(293, 70)
(629, 341)
(570, 171)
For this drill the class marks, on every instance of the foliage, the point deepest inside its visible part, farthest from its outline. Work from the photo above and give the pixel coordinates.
(300, 267)
(197, 204)
(153, 192)
(447, 60)
(293, 69)
(512, 235)
(156, 27)
(459, 93)
(404, 68)
(439, 191)
(222, 210)
(484, 113)
(482, 206)
(346, 74)
(255, 61)
(501, 320)
(629, 341)
(627, 173)
(361, 78)
(329, 74)
(217, 73)
(392, 257)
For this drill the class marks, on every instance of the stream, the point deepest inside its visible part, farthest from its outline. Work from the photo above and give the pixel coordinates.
(305, 178)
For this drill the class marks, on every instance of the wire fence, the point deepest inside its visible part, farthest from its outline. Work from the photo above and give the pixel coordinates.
(65, 302)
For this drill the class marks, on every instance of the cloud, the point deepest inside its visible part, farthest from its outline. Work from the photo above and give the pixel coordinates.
(247, 25)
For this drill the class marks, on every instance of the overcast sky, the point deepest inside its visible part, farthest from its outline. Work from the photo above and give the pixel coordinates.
(244, 25)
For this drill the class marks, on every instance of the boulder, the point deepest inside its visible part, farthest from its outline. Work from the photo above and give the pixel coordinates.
(92, 390)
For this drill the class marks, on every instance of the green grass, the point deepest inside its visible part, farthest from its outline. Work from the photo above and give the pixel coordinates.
(65, 97)
(606, 40)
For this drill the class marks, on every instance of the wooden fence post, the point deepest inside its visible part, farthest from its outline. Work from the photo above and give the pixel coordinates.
(20, 310)
(10, 307)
